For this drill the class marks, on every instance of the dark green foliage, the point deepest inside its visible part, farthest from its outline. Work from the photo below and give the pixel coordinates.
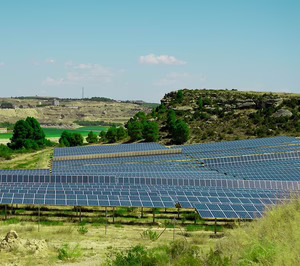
(5, 152)
(28, 134)
(92, 137)
(151, 132)
(78, 139)
(111, 134)
(70, 139)
(121, 133)
(37, 131)
(200, 104)
(171, 121)
(179, 96)
(136, 256)
(135, 130)
(102, 136)
(181, 132)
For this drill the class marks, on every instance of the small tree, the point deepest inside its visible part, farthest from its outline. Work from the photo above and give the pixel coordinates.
(102, 135)
(179, 96)
(151, 132)
(77, 139)
(181, 133)
(111, 134)
(121, 133)
(135, 130)
(92, 138)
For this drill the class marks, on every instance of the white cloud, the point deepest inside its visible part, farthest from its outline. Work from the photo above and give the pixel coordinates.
(2, 64)
(50, 61)
(152, 59)
(82, 73)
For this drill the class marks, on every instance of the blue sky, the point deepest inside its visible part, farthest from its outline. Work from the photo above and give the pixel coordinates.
(144, 49)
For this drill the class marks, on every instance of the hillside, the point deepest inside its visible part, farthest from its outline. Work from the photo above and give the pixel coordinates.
(69, 111)
(216, 115)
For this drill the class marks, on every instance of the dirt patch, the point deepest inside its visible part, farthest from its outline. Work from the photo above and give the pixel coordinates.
(12, 242)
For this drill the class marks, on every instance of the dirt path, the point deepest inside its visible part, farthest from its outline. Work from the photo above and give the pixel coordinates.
(36, 160)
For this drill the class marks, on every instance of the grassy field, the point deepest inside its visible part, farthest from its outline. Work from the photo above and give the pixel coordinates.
(32, 160)
(272, 240)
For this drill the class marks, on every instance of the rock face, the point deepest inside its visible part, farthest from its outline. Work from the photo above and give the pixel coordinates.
(283, 113)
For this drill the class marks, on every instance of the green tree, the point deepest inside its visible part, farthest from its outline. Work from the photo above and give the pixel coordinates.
(77, 139)
(181, 133)
(28, 134)
(65, 139)
(102, 135)
(151, 132)
(171, 121)
(179, 96)
(121, 133)
(92, 137)
(111, 134)
(135, 130)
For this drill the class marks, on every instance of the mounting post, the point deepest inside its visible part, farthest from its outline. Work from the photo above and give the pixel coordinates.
(113, 215)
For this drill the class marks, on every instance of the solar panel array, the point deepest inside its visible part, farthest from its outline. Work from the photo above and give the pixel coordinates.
(227, 180)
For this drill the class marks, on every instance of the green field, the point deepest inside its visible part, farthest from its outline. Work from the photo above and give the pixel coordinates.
(56, 132)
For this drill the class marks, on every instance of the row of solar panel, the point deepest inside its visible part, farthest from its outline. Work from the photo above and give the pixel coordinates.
(226, 183)
(107, 149)
(254, 158)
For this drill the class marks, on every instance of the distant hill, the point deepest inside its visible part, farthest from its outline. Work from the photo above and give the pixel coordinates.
(68, 110)
(217, 115)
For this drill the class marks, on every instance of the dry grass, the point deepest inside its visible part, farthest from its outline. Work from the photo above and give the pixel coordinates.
(94, 243)
(273, 240)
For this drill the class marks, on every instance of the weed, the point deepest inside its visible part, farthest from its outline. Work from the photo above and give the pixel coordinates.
(82, 230)
(148, 234)
(119, 225)
(66, 253)
(12, 221)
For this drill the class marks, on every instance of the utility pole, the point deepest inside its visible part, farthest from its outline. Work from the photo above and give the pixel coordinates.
(82, 93)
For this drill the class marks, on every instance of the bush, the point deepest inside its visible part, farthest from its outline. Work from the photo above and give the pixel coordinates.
(5, 152)
(135, 256)
(70, 139)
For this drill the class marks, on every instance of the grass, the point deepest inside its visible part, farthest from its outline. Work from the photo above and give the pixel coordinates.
(35, 160)
(272, 240)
